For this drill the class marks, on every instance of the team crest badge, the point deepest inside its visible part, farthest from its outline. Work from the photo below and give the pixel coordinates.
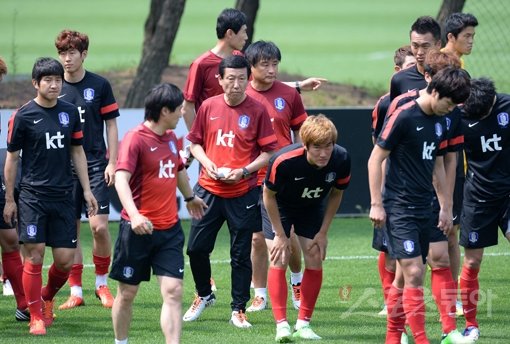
(88, 94)
(244, 121)
(172, 146)
(31, 230)
(448, 123)
(128, 271)
(503, 119)
(439, 129)
(473, 237)
(409, 246)
(279, 104)
(63, 118)
(330, 177)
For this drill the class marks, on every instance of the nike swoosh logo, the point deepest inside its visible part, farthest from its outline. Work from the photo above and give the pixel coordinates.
(471, 125)
(153, 149)
(103, 207)
(62, 95)
(37, 120)
(31, 302)
(250, 206)
(74, 240)
(181, 270)
(455, 218)
(213, 118)
(299, 178)
(419, 128)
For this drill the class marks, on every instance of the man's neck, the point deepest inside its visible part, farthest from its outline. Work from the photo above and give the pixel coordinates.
(45, 103)
(450, 49)
(260, 86)
(75, 76)
(222, 49)
(155, 127)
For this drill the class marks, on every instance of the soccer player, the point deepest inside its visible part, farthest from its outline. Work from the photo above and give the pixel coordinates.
(148, 172)
(459, 30)
(287, 113)
(425, 34)
(232, 138)
(11, 257)
(487, 187)
(303, 188)
(93, 96)
(202, 81)
(411, 139)
(48, 131)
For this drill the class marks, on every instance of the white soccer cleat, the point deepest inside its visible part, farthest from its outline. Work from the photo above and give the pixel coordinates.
(239, 319)
(198, 306)
(283, 333)
(472, 332)
(296, 295)
(306, 332)
(383, 312)
(259, 303)
(7, 288)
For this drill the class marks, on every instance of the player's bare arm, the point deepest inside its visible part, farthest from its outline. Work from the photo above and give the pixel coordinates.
(80, 164)
(375, 175)
(196, 206)
(310, 84)
(112, 137)
(237, 174)
(188, 110)
(139, 223)
(280, 252)
(444, 196)
(11, 166)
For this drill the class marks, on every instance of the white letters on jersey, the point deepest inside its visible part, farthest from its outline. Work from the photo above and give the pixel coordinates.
(427, 150)
(50, 144)
(81, 112)
(312, 193)
(220, 139)
(486, 144)
(165, 170)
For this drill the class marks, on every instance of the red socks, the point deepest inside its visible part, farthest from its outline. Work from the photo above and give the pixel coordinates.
(32, 283)
(385, 275)
(310, 288)
(414, 308)
(102, 264)
(13, 270)
(278, 292)
(56, 279)
(445, 295)
(396, 319)
(469, 293)
(75, 275)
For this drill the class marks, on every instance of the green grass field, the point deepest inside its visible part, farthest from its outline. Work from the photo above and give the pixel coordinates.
(345, 41)
(351, 263)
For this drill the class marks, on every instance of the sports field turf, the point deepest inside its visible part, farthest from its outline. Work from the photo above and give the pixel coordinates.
(342, 40)
(346, 311)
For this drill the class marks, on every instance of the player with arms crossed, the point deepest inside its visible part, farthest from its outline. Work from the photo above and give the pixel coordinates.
(303, 188)
(48, 131)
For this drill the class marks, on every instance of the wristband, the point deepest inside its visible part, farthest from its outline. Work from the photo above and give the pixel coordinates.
(298, 89)
(190, 198)
(246, 173)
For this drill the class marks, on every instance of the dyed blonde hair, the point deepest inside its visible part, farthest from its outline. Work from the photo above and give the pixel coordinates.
(318, 130)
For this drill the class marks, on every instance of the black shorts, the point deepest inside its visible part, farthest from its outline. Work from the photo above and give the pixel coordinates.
(241, 213)
(50, 222)
(380, 239)
(307, 222)
(3, 224)
(436, 235)
(263, 212)
(479, 224)
(408, 233)
(458, 197)
(99, 190)
(134, 255)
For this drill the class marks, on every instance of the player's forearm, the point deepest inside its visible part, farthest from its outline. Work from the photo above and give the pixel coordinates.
(444, 195)
(188, 113)
(334, 200)
(124, 192)
(261, 161)
(10, 169)
(80, 165)
(375, 182)
(112, 138)
(183, 184)
(450, 165)
(199, 154)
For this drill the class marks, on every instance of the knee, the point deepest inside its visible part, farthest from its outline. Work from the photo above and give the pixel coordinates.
(100, 230)
(258, 243)
(127, 294)
(472, 262)
(439, 260)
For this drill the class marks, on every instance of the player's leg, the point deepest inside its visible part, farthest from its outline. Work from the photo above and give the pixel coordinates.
(202, 237)
(385, 264)
(259, 262)
(243, 217)
(101, 256)
(170, 243)
(122, 311)
(296, 275)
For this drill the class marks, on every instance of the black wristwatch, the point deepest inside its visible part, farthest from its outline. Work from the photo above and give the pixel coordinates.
(190, 198)
(246, 173)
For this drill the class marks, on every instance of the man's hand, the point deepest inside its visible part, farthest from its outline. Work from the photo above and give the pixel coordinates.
(321, 241)
(10, 212)
(280, 253)
(377, 216)
(140, 224)
(196, 207)
(445, 222)
(311, 84)
(109, 174)
(91, 203)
